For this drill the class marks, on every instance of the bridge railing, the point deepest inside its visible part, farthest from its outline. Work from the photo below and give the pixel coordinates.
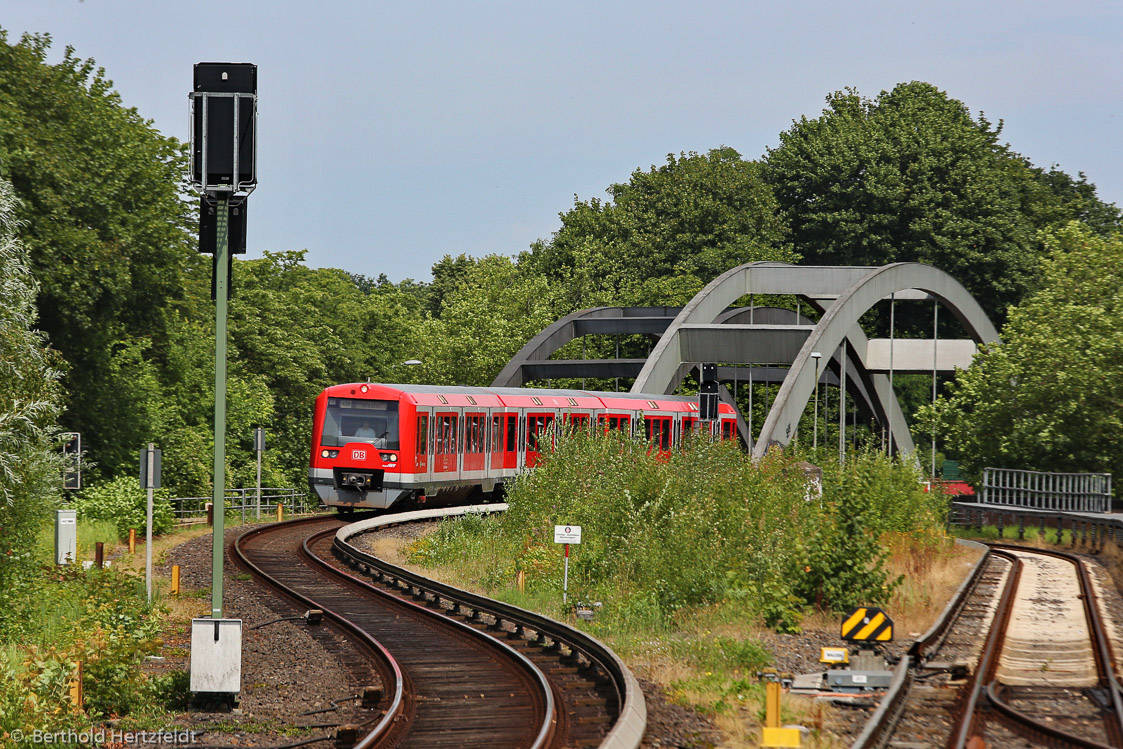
(245, 501)
(1063, 492)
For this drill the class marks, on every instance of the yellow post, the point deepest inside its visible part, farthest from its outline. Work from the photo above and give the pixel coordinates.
(774, 736)
(280, 512)
(76, 695)
(520, 580)
(772, 704)
(175, 579)
(132, 540)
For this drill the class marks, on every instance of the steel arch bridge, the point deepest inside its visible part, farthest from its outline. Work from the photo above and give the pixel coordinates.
(708, 329)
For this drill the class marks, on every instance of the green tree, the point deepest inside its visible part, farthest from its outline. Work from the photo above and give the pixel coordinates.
(29, 405)
(1050, 396)
(666, 233)
(106, 226)
(912, 176)
(484, 320)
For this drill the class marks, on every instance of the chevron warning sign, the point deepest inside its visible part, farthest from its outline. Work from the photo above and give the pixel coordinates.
(867, 624)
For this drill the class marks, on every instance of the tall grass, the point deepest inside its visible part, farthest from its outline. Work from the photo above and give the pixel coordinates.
(703, 527)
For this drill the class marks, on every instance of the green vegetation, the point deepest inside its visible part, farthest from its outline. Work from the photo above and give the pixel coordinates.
(1048, 397)
(60, 617)
(705, 527)
(124, 504)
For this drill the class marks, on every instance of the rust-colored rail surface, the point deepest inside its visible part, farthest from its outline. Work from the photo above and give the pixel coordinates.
(444, 683)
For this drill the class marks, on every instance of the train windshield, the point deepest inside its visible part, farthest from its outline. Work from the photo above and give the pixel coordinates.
(355, 420)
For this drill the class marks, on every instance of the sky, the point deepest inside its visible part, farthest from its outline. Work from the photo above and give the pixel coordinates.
(392, 134)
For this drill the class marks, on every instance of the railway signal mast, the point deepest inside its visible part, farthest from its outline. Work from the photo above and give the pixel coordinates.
(708, 391)
(224, 170)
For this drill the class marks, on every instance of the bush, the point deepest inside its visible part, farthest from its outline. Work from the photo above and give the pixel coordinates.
(98, 618)
(124, 503)
(704, 526)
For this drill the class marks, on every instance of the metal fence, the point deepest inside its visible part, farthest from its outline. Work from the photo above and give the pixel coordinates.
(1064, 492)
(245, 501)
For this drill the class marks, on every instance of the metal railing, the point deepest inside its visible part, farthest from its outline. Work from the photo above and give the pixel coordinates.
(1063, 492)
(194, 509)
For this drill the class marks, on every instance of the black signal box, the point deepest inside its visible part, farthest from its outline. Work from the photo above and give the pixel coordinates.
(708, 393)
(215, 87)
(235, 228)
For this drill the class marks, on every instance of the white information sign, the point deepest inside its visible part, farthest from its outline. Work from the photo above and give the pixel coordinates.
(567, 534)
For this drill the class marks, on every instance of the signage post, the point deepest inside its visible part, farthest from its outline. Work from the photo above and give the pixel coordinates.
(150, 480)
(223, 168)
(566, 534)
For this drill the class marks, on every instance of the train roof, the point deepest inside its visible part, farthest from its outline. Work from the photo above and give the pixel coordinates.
(525, 397)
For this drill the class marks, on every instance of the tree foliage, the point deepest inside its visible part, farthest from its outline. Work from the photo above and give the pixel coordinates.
(1050, 396)
(104, 223)
(29, 405)
(666, 233)
(912, 176)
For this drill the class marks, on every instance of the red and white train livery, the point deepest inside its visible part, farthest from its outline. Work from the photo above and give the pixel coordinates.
(374, 444)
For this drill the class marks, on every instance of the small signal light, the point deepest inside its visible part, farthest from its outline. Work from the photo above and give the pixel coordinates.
(364, 388)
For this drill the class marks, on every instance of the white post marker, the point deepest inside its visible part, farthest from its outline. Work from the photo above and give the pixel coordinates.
(566, 534)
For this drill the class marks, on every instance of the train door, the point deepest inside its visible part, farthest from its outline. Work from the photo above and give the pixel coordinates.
(423, 443)
(504, 447)
(475, 426)
(690, 426)
(657, 429)
(537, 428)
(446, 433)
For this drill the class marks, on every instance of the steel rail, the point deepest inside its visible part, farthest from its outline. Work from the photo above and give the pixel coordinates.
(881, 725)
(397, 704)
(1101, 651)
(1024, 724)
(549, 718)
(629, 727)
(988, 661)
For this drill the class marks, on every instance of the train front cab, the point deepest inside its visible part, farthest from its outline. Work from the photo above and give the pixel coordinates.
(360, 446)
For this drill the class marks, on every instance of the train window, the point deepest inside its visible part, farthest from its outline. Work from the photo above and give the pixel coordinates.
(422, 434)
(579, 423)
(496, 437)
(535, 426)
(512, 432)
(728, 429)
(446, 435)
(358, 420)
(473, 434)
(618, 423)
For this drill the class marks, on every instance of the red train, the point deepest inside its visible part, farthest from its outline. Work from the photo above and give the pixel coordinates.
(375, 444)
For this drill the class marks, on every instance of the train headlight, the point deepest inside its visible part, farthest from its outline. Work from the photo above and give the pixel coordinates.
(364, 388)
(328, 453)
(389, 457)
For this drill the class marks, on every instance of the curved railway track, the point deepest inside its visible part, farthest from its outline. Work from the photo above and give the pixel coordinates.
(451, 672)
(1019, 658)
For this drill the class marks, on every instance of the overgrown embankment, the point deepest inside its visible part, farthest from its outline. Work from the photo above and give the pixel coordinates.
(701, 527)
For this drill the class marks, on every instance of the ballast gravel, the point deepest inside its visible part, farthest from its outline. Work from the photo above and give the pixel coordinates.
(287, 672)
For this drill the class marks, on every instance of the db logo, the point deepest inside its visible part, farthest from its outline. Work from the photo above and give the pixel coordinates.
(358, 455)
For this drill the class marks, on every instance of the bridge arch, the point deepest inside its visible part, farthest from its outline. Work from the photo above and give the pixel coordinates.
(708, 329)
(855, 290)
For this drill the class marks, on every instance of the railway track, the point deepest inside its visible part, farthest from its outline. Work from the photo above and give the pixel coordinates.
(1020, 658)
(453, 671)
